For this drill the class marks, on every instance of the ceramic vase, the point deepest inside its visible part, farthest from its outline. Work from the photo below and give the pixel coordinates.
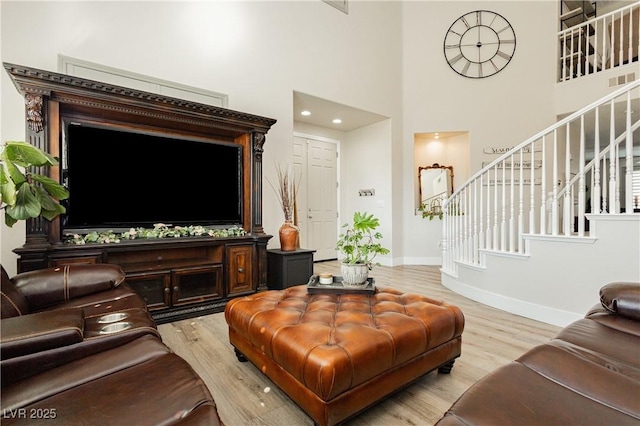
(288, 236)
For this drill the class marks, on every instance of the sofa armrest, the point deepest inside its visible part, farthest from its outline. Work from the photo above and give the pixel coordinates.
(30, 334)
(47, 287)
(622, 298)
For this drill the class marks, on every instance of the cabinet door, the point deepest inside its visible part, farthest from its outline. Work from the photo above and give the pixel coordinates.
(240, 270)
(196, 284)
(154, 288)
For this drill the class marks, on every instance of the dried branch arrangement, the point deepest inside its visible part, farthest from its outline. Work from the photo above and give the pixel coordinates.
(286, 191)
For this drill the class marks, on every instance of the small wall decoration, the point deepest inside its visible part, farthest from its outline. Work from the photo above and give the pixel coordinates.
(499, 150)
(525, 164)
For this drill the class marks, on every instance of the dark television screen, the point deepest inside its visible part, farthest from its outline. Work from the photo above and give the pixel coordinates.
(119, 179)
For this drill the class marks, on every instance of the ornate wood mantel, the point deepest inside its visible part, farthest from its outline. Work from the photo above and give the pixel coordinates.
(182, 278)
(49, 97)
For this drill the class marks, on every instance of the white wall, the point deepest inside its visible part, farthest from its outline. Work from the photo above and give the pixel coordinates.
(528, 286)
(501, 110)
(256, 52)
(365, 164)
(383, 57)
(446, 151)
(427, 234)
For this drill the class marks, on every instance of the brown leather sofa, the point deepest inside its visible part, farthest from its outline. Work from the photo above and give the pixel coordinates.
(589, 374)
(79, 346)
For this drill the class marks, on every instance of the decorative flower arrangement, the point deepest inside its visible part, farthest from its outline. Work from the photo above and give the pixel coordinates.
(159, 230)
(431, 211)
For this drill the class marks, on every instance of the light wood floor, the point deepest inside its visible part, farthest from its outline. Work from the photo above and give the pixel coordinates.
(245, 396)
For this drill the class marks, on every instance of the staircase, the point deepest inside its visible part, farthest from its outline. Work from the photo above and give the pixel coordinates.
(539, 230)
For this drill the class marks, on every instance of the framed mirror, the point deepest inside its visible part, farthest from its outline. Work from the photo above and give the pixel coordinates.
(436, 184)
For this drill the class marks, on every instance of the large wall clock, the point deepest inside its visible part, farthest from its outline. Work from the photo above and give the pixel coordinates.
(479, 44)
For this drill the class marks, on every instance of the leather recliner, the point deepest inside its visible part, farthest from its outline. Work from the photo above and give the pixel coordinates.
(55, 316)
(78, 346)
(589, 374)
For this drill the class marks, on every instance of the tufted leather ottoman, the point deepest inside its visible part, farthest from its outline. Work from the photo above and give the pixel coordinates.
(336, 355)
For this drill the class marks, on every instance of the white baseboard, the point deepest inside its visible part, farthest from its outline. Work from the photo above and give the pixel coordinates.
(428, 261)
(519, 307)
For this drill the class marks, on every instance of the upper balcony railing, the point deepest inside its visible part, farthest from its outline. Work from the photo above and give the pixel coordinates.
(600, 44)
(546, 186)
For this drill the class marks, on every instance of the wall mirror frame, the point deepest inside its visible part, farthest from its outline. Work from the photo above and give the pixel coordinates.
(436, 185)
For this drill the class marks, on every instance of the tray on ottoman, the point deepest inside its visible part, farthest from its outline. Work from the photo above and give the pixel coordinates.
(336, 287)
(318, 347)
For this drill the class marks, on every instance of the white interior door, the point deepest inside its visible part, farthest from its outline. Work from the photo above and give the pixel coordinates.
(317, 205)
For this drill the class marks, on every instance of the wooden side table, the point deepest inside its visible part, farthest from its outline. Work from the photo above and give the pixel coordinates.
(288, 268)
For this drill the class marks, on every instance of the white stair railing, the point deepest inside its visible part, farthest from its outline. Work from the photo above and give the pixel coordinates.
(546, 185)
(600, 44)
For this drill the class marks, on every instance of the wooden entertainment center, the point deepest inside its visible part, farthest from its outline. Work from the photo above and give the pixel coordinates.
(178, 277)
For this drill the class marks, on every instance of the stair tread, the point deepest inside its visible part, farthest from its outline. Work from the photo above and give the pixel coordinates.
(587, 6)
(571, 14)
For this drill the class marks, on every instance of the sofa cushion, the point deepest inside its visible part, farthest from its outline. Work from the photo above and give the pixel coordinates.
(622, 298)
(603, 380)
(85, 370)
(13, 302)
(516, 395)
(41, 331)
(119, 299)
(142, 382)
(62, 345)
(46, 287)
(608, 339)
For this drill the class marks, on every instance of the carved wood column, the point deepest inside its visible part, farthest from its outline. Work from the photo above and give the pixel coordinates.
(262, 262)
(37, 131)
(256, 207)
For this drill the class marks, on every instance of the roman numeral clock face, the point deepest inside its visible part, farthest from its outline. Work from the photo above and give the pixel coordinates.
(479, 44)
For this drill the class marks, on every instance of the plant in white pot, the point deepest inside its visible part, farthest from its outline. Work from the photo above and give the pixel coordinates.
(359, 244)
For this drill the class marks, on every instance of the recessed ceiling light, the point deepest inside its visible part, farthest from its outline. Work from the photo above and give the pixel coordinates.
(337, 121)
(305, 112)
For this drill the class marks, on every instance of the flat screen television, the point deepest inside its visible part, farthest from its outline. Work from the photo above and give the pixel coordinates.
(119, 179)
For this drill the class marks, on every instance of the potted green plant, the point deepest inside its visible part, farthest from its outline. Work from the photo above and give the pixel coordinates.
(431, 211)
(359, 244)
(25, 194)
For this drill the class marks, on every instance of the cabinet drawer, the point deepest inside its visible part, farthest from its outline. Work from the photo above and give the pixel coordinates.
(85, 258)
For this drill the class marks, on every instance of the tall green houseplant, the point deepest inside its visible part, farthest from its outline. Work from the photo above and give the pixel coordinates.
(359, 243)
(25, 194)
